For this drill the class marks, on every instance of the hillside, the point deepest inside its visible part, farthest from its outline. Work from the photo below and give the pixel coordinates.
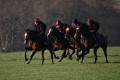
(17, 15)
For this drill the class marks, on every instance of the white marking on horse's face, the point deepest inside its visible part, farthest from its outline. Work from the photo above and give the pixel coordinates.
(67, 29)
(75, 35)
(77, 28)
(25, 35)
(49, 32)
(81, 36)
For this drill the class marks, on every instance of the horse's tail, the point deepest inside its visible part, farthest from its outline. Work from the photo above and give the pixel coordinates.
(106, 40)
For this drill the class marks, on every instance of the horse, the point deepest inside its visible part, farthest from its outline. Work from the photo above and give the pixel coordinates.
(70, 34)
(86, 41)
(56, 41)
(33, 41)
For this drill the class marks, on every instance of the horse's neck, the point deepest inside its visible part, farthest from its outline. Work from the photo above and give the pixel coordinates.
(72, 31)
(34, 36)
(86, 36)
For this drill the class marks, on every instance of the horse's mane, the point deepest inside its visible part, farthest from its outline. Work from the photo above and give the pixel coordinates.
(52, 27)
(28, 30)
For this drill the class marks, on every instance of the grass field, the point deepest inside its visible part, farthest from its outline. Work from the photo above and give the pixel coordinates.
(14, 67)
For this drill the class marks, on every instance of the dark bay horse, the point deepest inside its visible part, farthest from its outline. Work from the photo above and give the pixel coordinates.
(34, 42)
(86, 41)
(70, 33)
(56, 41)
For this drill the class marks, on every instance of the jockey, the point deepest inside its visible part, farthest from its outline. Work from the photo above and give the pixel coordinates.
(60, 27)
(75, 23)
(40, 28)
(93, 27)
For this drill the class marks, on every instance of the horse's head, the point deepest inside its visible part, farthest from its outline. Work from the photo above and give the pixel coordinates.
(70, 31)
(82, 31)
(67, 31)
(53, 31)
(28, 35)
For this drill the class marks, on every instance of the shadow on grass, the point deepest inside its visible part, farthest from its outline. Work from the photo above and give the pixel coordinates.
(115, 62)
(114, 55)
(9, 59)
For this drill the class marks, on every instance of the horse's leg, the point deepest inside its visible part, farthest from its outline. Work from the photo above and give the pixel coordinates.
(63, 55)
(56, 57)
(68, 53)
(105, 52)
(83, 55)
(31, 56)
(51, 52)
(95, 53)
(82, 58)
(26, 55)
(42, 54)
(70, 56)
(77, 55)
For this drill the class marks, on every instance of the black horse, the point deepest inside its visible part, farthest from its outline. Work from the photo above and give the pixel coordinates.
(85, 41)
(56, 41)
(34, 42)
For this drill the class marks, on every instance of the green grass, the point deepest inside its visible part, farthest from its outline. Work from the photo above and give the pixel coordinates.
(13, 67)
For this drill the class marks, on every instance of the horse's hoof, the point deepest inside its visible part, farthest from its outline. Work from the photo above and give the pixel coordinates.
(59, 61)
(28, 62)
(81, 62)
(26, 59)
(69, 58)
(77, 59)
(57, 58)
(106, 61)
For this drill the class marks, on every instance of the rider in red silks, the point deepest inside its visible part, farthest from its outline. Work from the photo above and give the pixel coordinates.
(94, 27)
(61, 26)
(40, 28)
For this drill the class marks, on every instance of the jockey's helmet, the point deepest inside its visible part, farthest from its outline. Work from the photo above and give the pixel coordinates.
(74, 21)
(58, 22)
(89, 20)
(36, 19)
